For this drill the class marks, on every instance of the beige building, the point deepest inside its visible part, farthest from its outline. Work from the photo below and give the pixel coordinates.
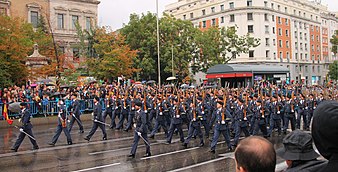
(62, 15)
(293, 33)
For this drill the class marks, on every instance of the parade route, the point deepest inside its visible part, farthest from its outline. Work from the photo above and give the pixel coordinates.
(111, 154)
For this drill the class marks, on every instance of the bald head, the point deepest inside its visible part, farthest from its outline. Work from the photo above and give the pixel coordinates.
(255, 154)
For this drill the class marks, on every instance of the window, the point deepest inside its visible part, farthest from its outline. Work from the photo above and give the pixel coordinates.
(75, 21)
(274, 42)
(306, 58)
(265, 4)
(273, 18)
(287, 33)
(76, 54)
(286, 9)
(317, 48)
(249, 3)
(287, 55)
(301, 56)
(296, 45)
(287, 44)
(34, 18)
(316, 18)
(274, 55)
(191, 15)
(272, 5)
(203, 12)
(184, 17)
(304, 15)
(312, 47)
(296, 56)
(222, 7)
(266, 28)
(280, 32)
(266, 17)
(250, 29)
(312, 37)
(232, 17)
(301, 46)
(305, 36)
(60, 21)
(306, 69)
(311, 16)
(231, 5)
(222, 19)
(296, 34)
(251, 53)
(280, 55)
(267, 42)
(280, 43)
(273, 30)
(294, 12)
(278, 7)
(204, 24)
(267, 52)
(279, 20)
(89, 23)
(250, 17)
(212, 9)
(305, 46)
(286, 22)
(213, 21)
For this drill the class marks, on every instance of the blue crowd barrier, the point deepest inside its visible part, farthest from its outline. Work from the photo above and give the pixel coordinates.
(51, 107)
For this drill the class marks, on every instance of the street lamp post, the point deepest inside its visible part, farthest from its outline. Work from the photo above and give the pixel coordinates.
(158, 46)
(172, 60)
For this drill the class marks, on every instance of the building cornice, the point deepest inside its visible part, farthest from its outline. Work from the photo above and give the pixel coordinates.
(96, 2)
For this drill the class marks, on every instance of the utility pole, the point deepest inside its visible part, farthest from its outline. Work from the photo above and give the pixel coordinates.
(158, 46)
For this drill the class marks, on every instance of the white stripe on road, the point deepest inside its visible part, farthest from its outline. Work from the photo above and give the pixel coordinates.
(121, 149)
(169, 153)
(94, 168)
(199, 164)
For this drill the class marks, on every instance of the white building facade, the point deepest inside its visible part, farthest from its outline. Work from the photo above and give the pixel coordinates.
(293, 33)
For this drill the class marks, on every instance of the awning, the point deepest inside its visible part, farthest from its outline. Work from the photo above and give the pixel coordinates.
(229, 75)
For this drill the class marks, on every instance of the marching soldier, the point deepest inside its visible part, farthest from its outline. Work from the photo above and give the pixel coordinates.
(140, 131)
(260, 119)
(301, 113)
(275, 120)
(76, 112)
(289, 109)
(241, 122)
(62, 125)
(221, 126)
(25, 129)
(176, 121)
(98, 120)
(160, 120)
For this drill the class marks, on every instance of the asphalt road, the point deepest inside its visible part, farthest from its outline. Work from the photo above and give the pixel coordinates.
(111, 155)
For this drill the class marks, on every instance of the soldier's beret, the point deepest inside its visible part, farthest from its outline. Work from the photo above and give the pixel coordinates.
(220, 102)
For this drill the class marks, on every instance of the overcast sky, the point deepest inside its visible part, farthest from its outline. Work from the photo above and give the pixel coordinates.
(116, 12)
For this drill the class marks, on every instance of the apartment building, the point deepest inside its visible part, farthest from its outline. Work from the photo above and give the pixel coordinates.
(62, 15)
(293, 33)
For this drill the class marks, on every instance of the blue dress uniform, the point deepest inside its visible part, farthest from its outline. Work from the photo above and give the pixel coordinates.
(131, 115)
(301, 113)
(221, 127)
(99, 117)
(202, 111)
(260, 123)
(275, 120)
(123, 113)
(26, 127)
(62, 126)
(176, 122)
(160, 120)
(141, 127)
(289, 114)
(76, 110)
(195, 126)
(241, 123)
(311, 106)
(251, 116)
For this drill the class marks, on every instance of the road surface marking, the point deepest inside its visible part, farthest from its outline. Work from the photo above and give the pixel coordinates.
(120, 149)
(94, 168)
(199, 164)
(169, 153)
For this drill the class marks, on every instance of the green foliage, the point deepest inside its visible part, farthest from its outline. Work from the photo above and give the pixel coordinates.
(333, 70)
(334, 41)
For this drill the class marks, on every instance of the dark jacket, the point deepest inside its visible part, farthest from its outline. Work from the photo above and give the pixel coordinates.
(307, 166)
(25, 120)
(76, 108)
(98, 112)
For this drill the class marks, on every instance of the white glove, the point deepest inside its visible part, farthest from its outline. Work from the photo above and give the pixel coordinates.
(145, 111)
(161, 113)
(116, 107)
(306, 108)
(68, 120)
(292, 111)
(245, 119)
(177, 116)
(223, 122)
(93, 114)
(134, 125)
(108, 106)
(132, 108)
(314, 107)
(278, 112)
(203, 112)
(124, 107)
(194, 119)
(139, 134)
(95, 120)
(21, 130)
(20, 120)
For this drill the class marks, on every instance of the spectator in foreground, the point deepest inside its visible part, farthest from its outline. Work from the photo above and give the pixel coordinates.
(299, 153)
(325, 133)
(255, 154)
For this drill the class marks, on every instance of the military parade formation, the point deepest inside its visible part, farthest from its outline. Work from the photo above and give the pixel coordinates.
(205, 112)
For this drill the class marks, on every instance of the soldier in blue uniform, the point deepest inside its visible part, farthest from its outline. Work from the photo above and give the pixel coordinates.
(241, 122)
(311, 106)
(141, 129)
(76, 112)
(195, 126)
(301, 112)
(202, 109)
(124, 112)
(221, 126)
(260, 123)
(160, 120)
(25, 127)
(62, 125)
(176, 121)
(98, 117)
(289, 110)
(275, 120)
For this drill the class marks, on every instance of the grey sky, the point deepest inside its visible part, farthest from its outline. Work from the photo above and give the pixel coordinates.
(116, 12)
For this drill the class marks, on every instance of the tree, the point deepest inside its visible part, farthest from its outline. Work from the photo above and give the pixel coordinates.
(15, 44)
(115, 58)
(333, 70)
(334, 42)
(220, 45)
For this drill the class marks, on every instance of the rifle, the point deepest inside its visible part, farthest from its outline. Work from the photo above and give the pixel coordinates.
(224, 106)
(144, 100)
(194, 106)
(292, 98)
(246, 103)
